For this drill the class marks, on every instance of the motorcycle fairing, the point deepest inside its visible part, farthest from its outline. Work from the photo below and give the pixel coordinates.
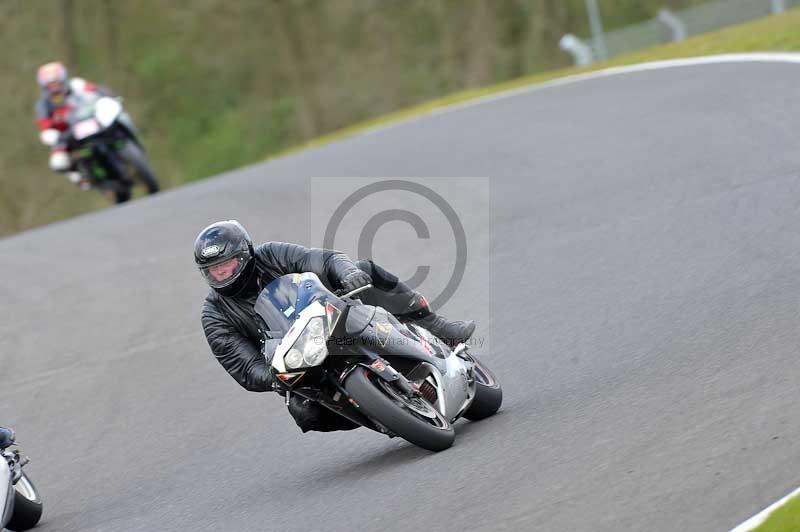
(314, 310)
(6, 493)
(280, 302)
(384, 335)
(288, 303)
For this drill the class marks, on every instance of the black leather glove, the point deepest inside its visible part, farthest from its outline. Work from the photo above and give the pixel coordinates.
(355, 280)
(268, 350)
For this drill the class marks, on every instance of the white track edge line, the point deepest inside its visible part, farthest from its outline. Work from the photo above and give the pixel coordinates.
(761, 516)
(753, 57)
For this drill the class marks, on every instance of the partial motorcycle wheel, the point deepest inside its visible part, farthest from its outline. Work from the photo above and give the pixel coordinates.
(120, 192)
(114, 188)
(133, 154)
(27, 505)
(413, 419)
(488, 393)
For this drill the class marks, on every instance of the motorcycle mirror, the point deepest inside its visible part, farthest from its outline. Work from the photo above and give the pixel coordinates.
(344, 294)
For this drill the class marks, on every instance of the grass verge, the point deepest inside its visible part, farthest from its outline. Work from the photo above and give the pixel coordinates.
(784, 519)
(773, 33)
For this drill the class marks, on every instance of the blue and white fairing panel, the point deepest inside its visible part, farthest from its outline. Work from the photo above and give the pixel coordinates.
(280, 302)
(288, 303)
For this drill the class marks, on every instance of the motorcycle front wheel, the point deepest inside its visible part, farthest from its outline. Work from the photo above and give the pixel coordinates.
(111, 185)
(27, 505)
(134, 155)
(411, 418)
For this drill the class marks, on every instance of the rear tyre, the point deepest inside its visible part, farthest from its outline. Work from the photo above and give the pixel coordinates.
(488, 393)
(27, 505)
(413, 419)
(134, 155)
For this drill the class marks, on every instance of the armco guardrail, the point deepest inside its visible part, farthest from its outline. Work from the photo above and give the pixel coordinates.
(674, 25)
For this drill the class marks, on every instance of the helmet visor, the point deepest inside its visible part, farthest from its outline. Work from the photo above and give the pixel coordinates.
(55, 87)
(225, 272)
(56, 92)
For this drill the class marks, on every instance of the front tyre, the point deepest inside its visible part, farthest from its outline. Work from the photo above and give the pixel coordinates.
(133, 154)
(27, 505)
(413, 419)
(120, 192)
(488, 393)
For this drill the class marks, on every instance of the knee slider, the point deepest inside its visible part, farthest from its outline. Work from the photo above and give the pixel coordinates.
(59, 161)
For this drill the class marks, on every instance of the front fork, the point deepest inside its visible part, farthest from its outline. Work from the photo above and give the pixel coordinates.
(353, 415)
(118, 167)
(382, 369)
(16, 462)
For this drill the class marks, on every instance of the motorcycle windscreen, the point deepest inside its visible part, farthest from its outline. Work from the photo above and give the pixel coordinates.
(280, 302)
(83, 111)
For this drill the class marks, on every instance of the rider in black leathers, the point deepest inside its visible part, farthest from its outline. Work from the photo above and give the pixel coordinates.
(236, 272)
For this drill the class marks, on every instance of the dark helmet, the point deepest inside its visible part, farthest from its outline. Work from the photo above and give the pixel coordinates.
(223, 252)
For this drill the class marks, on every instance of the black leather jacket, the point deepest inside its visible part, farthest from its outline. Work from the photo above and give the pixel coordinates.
(235, 332)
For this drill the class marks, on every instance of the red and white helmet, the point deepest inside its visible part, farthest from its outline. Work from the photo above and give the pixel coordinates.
(53, 78)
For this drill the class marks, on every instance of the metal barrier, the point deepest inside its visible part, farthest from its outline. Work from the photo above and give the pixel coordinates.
(669, 26)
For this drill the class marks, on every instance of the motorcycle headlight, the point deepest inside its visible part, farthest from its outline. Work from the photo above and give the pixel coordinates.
(310, 346)
(315, 328)
(293, 359)
(315, 353)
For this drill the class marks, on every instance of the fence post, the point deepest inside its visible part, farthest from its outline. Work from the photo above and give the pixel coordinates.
(580, 51)
(675, 25)
(778, 6)
(596, 23)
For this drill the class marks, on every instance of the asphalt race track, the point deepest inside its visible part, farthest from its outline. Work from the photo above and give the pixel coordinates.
(645, 298)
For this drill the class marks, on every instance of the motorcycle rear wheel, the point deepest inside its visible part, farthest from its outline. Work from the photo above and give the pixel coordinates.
(414, 420)
(488, 393)
(134, 155)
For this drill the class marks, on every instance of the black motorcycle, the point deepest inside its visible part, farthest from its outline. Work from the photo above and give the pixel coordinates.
(102, 143)
(362, 363)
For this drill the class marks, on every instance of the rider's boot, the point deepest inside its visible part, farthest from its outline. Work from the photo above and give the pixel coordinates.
(405, 303)
(450, 332)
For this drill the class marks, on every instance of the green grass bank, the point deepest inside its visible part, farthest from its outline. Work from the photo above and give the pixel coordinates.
(214, 85)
